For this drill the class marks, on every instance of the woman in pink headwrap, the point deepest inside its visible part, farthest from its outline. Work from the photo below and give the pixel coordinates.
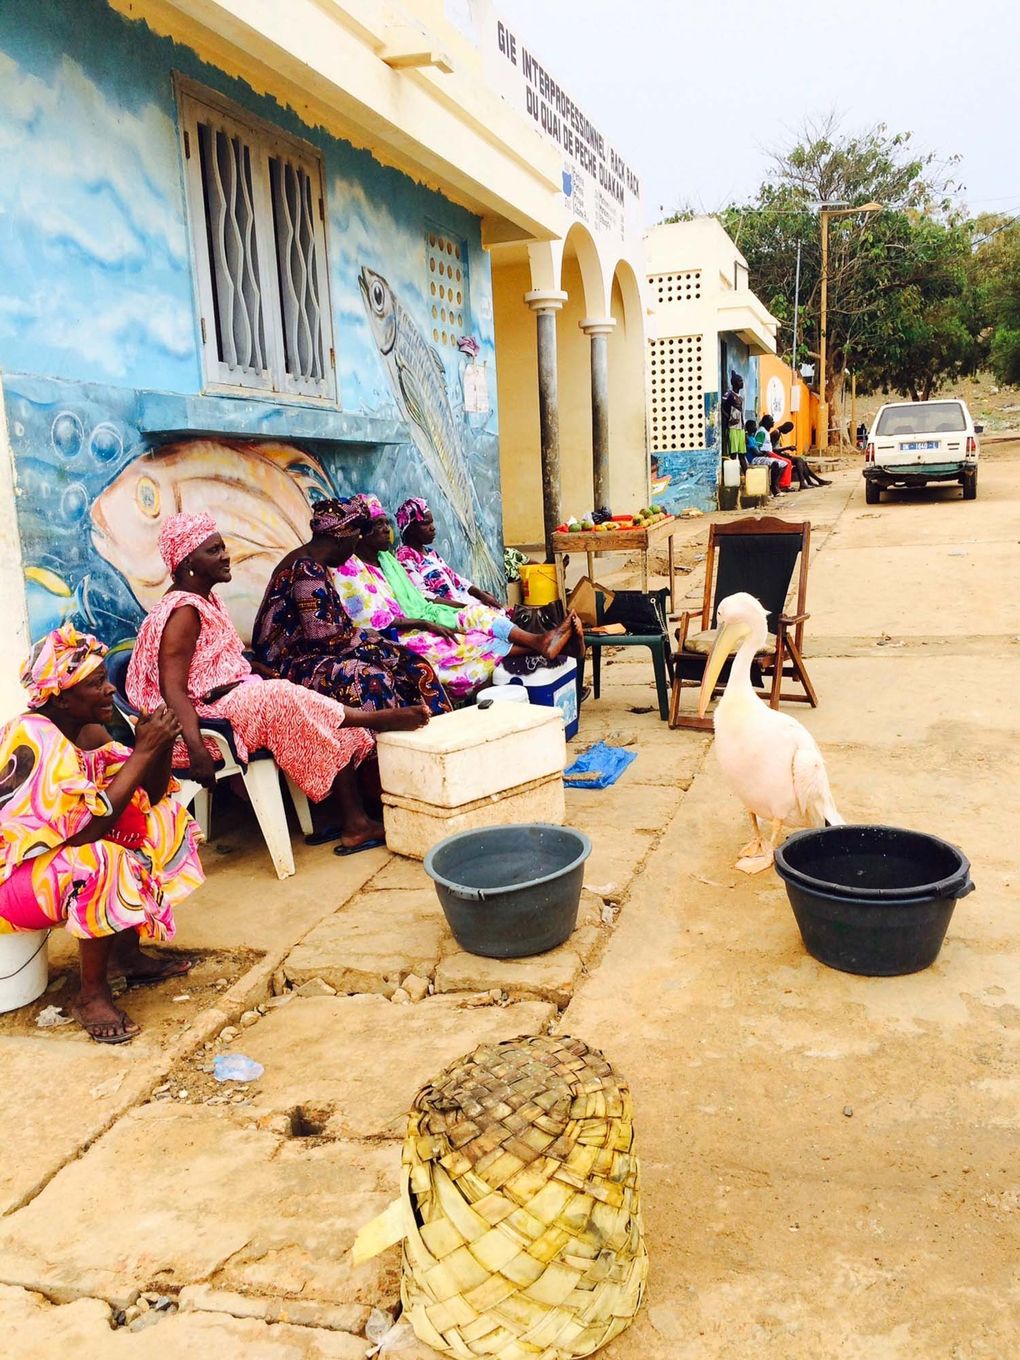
(189, 653)
(430, 572)
(88, 836)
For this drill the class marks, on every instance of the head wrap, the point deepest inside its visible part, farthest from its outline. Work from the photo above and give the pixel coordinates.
(181, 535)
(58, 661)
(413, 511)
(339, 518)
(373, 506)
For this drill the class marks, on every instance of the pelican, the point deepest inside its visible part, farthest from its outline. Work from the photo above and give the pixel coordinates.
(771, 762)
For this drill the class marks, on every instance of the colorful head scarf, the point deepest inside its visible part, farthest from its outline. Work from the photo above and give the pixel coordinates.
(413, 510)
(58, 661)
(374, 506)
(339, 518)
(181, 534)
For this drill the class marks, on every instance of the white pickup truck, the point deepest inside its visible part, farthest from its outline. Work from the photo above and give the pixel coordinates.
(916, 442)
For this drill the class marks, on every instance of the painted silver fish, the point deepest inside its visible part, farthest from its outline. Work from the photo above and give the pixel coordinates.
(418, 380)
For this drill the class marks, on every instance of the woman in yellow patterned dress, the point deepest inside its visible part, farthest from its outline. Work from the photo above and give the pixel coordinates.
(88, 836)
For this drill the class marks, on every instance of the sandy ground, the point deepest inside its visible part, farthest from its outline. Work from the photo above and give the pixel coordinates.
(829, 1162)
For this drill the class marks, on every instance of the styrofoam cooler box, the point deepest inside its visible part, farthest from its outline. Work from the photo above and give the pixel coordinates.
(460, 757)
(476, 767)
(550, 686)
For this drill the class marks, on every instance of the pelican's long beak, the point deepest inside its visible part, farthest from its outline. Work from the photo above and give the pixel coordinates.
(728, 639)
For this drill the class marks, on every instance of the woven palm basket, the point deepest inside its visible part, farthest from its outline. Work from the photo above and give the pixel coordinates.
(526, 1241)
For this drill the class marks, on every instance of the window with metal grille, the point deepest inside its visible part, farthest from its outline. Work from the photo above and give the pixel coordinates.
(678, 412)
(255, 199)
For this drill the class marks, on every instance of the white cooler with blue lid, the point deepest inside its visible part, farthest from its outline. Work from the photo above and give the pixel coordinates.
(551, 686)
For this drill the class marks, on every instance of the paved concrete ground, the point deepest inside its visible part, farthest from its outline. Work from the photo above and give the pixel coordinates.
(830, 1162)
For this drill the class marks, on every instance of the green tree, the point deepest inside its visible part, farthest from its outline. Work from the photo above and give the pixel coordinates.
(995, 277)
(902, 309)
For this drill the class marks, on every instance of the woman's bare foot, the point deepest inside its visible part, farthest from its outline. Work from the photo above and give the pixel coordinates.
(554, 642)
(127, 960)
(362, 832)
(102, 1020)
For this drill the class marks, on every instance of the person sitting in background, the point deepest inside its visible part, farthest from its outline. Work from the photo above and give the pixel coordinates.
(88, 834)
(757, 457)
(303, 633)
(189, 654)
(432, 575)
(801, 467)
(463, 646)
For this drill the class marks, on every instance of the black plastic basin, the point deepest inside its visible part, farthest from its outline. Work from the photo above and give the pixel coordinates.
(875, 900)
(510, 891)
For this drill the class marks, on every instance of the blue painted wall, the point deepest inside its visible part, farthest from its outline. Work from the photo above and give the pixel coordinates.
(98, 333)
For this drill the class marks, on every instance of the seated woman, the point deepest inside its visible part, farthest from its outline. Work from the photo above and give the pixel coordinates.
(432, 575)
(88, 836)
(190, 654)
(303, 633)
(462, 645)
(757, 456)
(801, 467)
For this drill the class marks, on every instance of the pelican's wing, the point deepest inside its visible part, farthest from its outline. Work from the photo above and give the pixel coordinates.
(811, 787)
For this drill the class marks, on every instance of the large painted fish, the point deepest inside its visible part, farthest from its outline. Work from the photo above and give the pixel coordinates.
(258, 493)
(418, 380)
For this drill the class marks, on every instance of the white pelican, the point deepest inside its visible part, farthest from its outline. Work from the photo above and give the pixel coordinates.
(771, 762)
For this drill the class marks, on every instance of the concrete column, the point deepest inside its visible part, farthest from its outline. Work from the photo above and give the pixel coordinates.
(545, 303)
(598, 333)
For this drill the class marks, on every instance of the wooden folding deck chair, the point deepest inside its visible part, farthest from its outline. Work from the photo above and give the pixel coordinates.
(756, 555)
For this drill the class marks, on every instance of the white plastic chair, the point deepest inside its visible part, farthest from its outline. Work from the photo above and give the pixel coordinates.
(262, 785)
(261, 780)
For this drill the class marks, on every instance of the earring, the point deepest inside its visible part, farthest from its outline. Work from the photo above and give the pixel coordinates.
(191, 571)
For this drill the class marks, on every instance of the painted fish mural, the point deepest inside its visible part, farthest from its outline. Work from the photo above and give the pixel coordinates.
(418, 380)
(259, 495)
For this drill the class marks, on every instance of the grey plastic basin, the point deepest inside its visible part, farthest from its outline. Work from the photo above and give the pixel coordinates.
(510, 891)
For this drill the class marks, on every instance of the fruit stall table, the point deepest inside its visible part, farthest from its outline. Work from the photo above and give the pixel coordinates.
(640, 540)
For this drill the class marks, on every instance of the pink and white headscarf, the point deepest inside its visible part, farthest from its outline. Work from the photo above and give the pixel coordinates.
(181, 534)
(413, 510)
(374, 506)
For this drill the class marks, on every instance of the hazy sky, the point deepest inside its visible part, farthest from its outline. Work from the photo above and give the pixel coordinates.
(694, 93)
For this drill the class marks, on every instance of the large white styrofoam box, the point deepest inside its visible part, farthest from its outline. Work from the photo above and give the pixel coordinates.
(413, 827)
(460, 757)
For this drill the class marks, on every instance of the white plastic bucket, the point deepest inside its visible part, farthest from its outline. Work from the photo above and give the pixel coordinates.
(24, 968)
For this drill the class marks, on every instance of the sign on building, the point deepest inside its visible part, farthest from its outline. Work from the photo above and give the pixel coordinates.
(599, 188)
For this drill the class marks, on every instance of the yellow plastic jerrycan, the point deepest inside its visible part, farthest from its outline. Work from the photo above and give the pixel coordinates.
(540, 584)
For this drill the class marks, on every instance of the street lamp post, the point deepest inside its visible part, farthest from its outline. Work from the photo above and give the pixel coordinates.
(829, 210)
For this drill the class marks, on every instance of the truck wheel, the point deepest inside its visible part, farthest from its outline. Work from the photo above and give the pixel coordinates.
(969, 483)
(873, 493)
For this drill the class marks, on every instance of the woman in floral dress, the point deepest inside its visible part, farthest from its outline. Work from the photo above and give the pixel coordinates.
(303, 633)
(430, 572)
(189, 653)
(463, 646)
(89, 837)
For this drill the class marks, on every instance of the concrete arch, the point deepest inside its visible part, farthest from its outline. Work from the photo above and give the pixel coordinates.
(580, 244)
(629, 466)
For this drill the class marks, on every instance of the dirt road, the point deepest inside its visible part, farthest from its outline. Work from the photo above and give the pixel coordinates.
(830, 1163)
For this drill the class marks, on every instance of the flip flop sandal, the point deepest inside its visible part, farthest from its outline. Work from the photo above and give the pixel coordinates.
(123, 1036)
(357, 849)
(175, 969)
(331, 833)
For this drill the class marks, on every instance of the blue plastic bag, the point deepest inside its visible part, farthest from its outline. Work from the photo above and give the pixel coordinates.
(236, 1067)
(602, 765)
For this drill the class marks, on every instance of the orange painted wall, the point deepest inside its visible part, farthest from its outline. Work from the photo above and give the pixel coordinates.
(776, 384)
